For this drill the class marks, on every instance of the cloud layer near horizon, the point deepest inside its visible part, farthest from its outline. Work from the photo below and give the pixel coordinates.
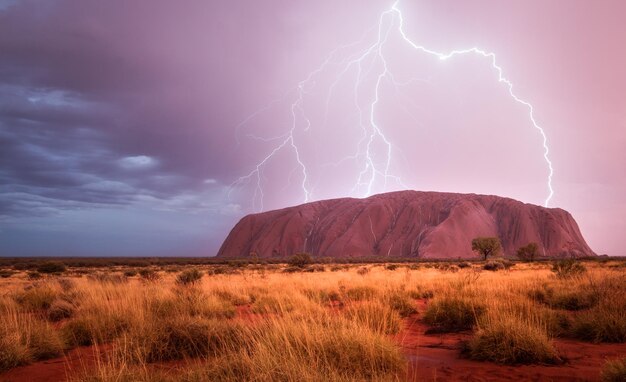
(118, 119)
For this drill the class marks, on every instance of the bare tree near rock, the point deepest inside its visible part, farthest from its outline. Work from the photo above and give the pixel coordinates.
(486, 246)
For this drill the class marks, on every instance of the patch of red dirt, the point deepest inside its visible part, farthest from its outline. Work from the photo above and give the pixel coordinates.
(56, 369)
(437, 357)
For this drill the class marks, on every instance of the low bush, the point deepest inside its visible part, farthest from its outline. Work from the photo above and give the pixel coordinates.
(189, 277)
(24, 266)
(130, 273)
(292, 270)
(149, 274)
(493, 265)
(614, 371)
(43, 341)
(565, 298)
(60, 310)
(400, 301)
(363, 271)
(300, 260)
(24, 339)
(557, 323)
(603, 323)
(322, 350)
(66, 284)
(12, 351)
(315, 268)
(568, 268)
(185, 337)
(36, 298)
(94, 328)
(452, 314)
(78, 332)
(509, 340)
(5, 273)
(391, 267)
(51, 267)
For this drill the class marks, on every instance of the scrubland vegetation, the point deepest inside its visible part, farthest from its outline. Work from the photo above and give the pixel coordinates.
(303, 322)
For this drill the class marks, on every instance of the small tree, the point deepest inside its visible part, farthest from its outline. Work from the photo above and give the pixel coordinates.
(486, 246)
(528, 252)
(300, 260)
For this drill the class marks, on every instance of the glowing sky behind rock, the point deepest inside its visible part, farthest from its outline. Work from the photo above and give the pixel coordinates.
(118, 120)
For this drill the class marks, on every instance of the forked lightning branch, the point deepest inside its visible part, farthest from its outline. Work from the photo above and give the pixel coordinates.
(373, 133)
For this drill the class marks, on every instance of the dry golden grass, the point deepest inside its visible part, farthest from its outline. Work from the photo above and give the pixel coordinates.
(265, 324)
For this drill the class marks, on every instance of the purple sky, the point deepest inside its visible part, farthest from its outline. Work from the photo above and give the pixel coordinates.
(124, 125)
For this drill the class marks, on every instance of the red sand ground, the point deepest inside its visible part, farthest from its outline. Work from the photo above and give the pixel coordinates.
(437, 357)
(432, 357)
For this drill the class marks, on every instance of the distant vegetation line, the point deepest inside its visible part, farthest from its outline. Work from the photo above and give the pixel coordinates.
(33, 262)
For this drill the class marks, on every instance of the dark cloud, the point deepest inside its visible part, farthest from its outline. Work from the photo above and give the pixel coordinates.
(132, 106)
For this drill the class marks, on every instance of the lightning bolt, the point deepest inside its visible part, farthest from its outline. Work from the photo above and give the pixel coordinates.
(364, 62)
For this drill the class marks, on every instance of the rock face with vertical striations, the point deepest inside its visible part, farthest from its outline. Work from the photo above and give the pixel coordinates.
(430, 225)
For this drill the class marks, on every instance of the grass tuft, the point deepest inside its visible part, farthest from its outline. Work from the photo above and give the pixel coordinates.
(452, 314)
(510, 340)
(614, 371)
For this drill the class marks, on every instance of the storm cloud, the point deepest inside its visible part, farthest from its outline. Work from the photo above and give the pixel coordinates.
(121, 122)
